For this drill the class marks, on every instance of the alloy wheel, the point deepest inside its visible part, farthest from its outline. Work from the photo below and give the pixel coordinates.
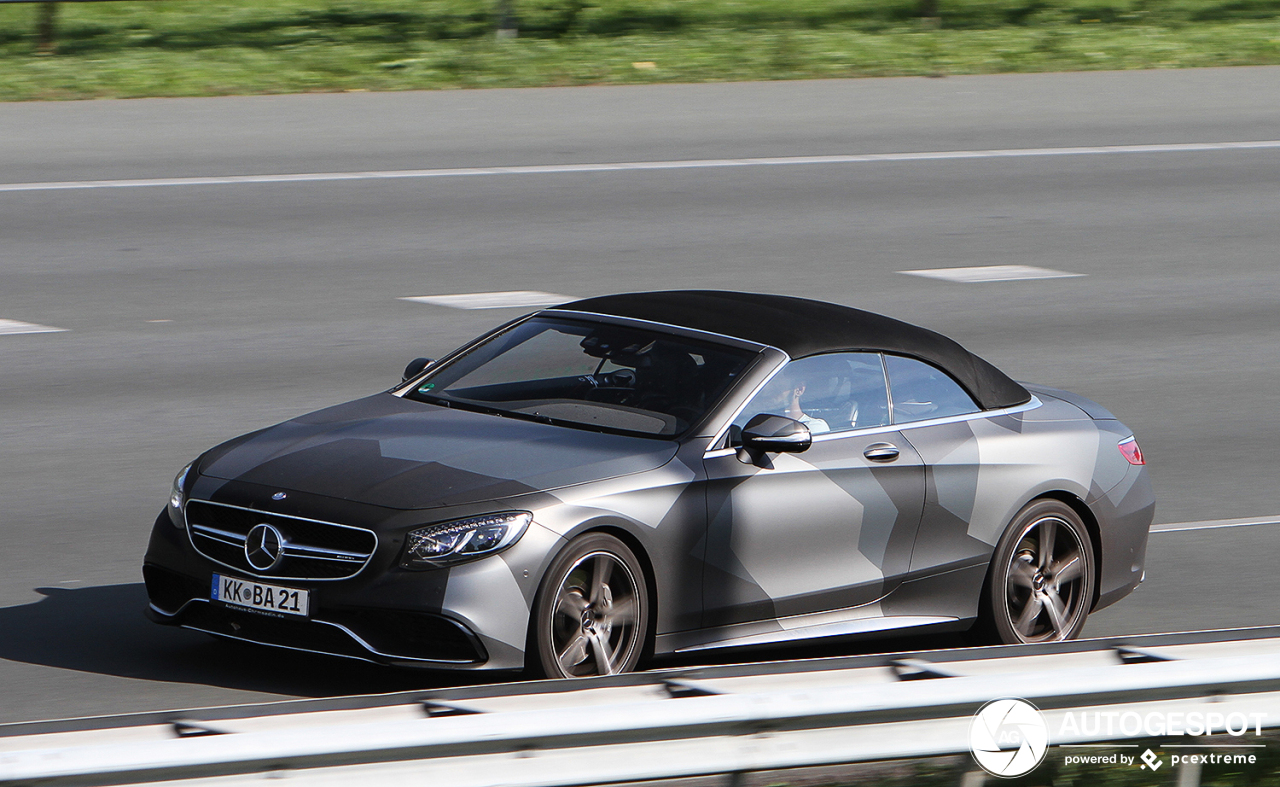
(1047, 581)
(597, 616)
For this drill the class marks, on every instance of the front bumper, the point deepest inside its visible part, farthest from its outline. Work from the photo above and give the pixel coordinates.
(472, 616)
(382, 636)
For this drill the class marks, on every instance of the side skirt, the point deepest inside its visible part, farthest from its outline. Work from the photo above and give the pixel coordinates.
(948, 599)
(861, 620)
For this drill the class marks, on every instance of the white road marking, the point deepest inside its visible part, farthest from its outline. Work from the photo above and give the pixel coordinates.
(1214, 524)
(493, 300)
(987, 273)
(555, 169)
(17, 326)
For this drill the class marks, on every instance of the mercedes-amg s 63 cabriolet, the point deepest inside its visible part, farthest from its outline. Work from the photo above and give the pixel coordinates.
(655, 473)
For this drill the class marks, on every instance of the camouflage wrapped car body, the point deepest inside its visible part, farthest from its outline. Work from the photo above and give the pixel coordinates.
(738, 549)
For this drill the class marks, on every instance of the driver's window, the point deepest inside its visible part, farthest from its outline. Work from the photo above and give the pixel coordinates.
(835, 392)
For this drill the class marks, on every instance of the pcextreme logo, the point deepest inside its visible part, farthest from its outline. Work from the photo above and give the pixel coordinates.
(1008, 737)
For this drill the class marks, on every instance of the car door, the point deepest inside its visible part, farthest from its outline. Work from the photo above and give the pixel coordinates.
(828, 528)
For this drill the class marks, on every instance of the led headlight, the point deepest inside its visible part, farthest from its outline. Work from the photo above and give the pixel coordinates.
(176, 497)
(465, 539)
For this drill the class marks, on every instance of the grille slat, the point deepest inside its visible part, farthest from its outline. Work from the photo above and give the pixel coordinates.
(312, 550)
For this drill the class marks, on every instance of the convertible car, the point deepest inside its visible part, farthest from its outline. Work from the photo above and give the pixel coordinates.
(654, 473)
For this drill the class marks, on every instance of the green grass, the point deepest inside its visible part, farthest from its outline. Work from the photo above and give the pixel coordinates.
(195, 48)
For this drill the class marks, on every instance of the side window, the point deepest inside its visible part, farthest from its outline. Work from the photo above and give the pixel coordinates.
(921, 391)
(828, 393)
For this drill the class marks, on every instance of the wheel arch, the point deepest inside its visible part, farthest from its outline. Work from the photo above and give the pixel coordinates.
(984, 629)
(632, 542)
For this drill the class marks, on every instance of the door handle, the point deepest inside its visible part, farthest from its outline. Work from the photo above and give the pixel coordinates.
(881, 452)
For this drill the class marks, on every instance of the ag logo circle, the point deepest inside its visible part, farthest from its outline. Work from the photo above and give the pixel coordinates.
(1008, 737)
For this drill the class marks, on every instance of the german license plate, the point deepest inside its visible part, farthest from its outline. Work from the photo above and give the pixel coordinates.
(271, 599)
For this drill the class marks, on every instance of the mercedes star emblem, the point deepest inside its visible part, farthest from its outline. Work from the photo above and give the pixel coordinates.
(263, 547)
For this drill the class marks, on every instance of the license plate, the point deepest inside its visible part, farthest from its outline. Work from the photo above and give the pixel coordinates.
(271, 599)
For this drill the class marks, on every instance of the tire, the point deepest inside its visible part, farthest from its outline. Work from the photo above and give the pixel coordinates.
(1034, 594)
(591, 614)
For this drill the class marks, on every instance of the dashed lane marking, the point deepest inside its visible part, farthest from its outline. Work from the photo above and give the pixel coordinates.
(8, 327)
(622, 166)
(493, 300)
(986, 273)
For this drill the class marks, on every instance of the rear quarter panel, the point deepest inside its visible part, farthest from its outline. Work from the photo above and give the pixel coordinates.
(982, 471)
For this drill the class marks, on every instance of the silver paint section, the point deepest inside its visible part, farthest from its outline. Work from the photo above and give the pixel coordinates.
(493, 597)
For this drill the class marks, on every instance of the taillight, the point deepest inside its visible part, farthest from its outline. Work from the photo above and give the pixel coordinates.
(1129, 447)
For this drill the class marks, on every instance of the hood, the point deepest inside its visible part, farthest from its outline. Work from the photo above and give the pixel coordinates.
(397, 453)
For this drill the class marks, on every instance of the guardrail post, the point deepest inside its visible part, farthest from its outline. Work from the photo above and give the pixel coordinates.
(1189, 774)
(506, 20)
(45, 15)
(928, 14)
(975, 779)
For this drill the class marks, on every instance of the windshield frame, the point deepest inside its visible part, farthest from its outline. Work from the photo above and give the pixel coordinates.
(408, 389)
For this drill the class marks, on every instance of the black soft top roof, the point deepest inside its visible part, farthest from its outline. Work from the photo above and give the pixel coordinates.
(802, 327)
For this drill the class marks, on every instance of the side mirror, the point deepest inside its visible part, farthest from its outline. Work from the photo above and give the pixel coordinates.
(415, 368)
(775, 434)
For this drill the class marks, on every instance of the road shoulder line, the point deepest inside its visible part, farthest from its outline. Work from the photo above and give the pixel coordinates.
(552, 169)
(1214, 524)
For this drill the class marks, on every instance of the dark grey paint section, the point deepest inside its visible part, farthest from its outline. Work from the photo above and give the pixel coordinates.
(396, 453)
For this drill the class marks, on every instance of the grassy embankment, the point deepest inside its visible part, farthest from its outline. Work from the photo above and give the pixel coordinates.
(198, 47)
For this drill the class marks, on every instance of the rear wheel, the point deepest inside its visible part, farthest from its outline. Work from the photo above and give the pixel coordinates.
(592, 611)
(1040, 585)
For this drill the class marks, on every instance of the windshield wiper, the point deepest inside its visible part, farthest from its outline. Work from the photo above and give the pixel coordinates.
(476, 407)
(418, 396)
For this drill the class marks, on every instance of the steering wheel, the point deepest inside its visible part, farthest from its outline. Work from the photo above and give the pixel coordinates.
(615, 387)
(618, 378)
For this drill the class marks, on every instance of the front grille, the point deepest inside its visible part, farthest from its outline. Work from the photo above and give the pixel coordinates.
(311, 550)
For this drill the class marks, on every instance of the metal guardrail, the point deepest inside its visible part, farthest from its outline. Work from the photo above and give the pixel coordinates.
(659, 725)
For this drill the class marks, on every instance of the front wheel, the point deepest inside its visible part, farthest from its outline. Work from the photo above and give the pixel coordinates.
(1040, 585)
(592, 611)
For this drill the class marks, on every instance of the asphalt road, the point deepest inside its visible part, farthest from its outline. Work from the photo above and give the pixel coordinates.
(195, 313)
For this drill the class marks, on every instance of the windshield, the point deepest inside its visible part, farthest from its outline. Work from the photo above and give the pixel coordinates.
(589, 375)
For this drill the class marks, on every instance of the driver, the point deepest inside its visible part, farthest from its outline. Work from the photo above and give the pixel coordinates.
(782, 397)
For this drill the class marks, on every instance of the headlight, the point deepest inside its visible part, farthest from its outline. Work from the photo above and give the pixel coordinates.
(176, 497)
(466, 539)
